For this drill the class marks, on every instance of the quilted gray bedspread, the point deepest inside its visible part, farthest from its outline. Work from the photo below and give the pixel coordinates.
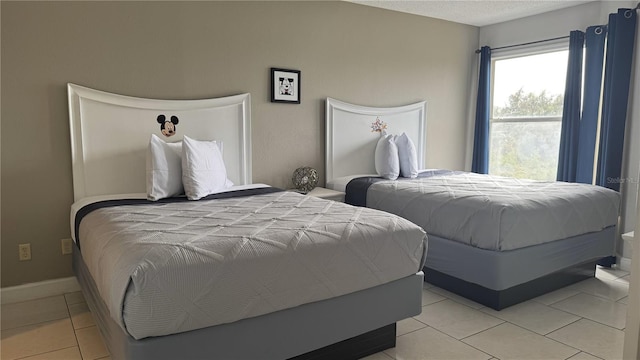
(497, 213)
(168, 268)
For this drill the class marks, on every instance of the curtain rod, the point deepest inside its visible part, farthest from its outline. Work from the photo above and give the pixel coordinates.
(539, 41)
(527, 43)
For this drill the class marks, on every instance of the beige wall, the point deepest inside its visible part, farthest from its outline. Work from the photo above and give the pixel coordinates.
(183, 50)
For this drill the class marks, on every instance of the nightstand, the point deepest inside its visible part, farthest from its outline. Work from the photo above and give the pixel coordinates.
(328, 194)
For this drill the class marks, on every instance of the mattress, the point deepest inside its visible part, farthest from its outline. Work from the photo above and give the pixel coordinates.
(169, 267)
(493, 212)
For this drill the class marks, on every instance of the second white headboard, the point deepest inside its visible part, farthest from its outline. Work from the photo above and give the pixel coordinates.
(351, 138)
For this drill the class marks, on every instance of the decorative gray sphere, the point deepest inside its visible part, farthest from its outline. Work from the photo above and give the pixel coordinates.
(305, 179)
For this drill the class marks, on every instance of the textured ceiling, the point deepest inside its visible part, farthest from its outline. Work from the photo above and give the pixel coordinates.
(473, 12)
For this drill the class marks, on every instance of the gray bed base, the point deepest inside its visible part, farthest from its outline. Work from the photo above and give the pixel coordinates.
(499, 279)
(279, 335)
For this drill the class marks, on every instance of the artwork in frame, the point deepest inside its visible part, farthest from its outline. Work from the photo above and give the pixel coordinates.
(285, 86)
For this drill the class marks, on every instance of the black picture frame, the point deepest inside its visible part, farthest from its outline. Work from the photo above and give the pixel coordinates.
(285, 86)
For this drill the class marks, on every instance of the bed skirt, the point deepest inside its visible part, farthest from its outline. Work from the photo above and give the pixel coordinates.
(365, 319)
(499, 279)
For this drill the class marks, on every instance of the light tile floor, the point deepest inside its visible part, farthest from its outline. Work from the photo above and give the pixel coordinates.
(581, 321)
(58, 327)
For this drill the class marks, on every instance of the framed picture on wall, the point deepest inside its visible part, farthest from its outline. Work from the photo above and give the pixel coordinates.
(285, 86)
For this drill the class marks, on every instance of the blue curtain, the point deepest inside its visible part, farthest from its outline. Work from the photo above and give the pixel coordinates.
(569, 135)
(617, 77)
(594, 59)
(480, 163)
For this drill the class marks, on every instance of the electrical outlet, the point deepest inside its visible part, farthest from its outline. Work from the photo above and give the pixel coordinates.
(24, 252)
(67, 246)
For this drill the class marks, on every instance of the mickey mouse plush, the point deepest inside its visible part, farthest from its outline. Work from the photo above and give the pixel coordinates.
(168, 128)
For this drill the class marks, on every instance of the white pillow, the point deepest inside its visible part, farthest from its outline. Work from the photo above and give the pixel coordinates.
(164, 169)
(386, 157)
(203, 170)
(408, 156)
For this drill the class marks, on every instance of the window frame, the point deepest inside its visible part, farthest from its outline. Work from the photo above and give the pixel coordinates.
(518, 52)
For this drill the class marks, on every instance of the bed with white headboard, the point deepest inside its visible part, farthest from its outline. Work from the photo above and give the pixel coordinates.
(495, 240)
(119, 234)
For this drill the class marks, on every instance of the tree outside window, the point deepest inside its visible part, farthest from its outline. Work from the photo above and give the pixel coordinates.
(526, 122)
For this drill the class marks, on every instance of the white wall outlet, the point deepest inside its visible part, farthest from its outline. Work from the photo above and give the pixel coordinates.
(67, 246)
(24, 252)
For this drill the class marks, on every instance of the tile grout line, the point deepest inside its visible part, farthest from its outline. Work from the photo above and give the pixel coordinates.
(557, 301)
(618, 277)
(579, 317)
(595, 321)
(469, 345)
(35, 324)
(458, 302)
(433, 303)
(563, 326)
(571, 346)
(42, 322)
(548, 338)
(46, 352)
(412, 331)
(567, 298)
(472, 308)
(481, 331)
(75, 335)
(39, 321)
(383, 353)
(596, 296)
(586, 352)
(602, 297)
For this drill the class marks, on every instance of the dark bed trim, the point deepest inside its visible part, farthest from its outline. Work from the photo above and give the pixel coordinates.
(357, 347)
(500, 299)
(608, 261)
(85, 210)
(356, 189)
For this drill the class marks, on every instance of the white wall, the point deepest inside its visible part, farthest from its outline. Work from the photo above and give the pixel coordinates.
(632, 330)
(631, 348)
(560, 23)
(631, 164)
(539, 27)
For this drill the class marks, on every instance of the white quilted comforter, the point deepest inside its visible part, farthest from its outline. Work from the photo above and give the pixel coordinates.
(168, 268)
(497, 213)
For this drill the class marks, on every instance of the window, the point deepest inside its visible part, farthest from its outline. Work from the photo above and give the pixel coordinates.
(526, 115)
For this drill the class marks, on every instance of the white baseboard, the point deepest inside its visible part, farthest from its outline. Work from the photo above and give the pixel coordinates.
(624, 264)
(38, 290)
